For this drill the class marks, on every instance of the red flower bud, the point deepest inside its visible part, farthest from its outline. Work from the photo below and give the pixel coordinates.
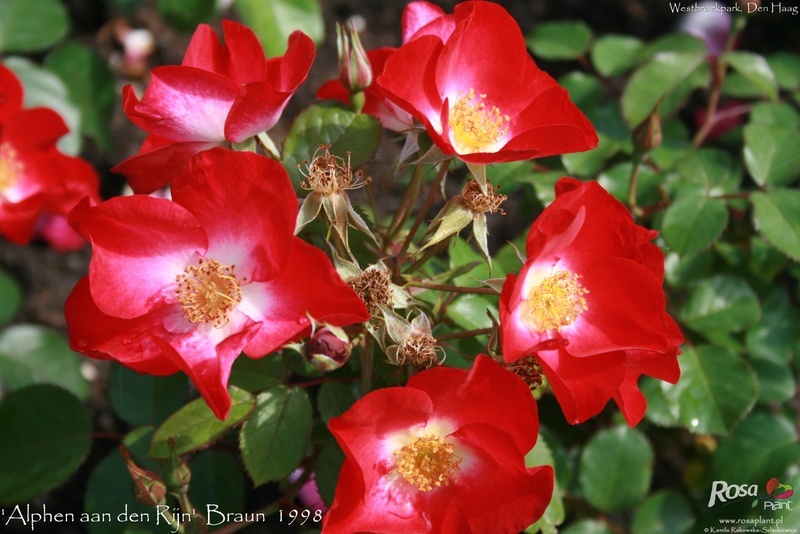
(148, 488)
(328, 348)
(355, 71)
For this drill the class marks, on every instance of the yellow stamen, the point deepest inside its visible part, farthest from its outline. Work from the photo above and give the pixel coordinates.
(473, 126)
(10, 166)
(428, 462)
(208, 292)
(555, 303)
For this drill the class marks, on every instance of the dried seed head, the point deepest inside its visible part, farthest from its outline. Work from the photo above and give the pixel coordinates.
(420, 349)
(528, 370)
(328, 174)
(372, 286)
(481, 202)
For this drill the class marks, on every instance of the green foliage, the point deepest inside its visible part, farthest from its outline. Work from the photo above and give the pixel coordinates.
(771, 155)
(560, 40)
(185, 15)
(721, 303)
(275, 20)
(613, 55)
(46, 435)
(333, 400)
(777, 215)
(144, 399)
(664, 512)
(29, 26)
(694, 223)
(10, 296)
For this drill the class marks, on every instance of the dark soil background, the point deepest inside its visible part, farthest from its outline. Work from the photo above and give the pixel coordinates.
(47, 277)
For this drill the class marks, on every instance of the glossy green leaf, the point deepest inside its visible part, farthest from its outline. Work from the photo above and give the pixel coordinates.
(185, 15)
(584, 90)
(777, 217)
(330, 124)
(90, 87)
(771, 155)
(659, 411)
(10, 296)
(258, 374)
(275, 20)
(776, 336)
(217, 479)
(46, 435)
(145, 399)
(755, 68)
(682, 271)
(617, 179)
(786, 67)
(763, 446)
(721, 303)
(616, 468)
(469, 312)
(587, 526)
(591, 162)
(273, 441)
(560, 40)
(675, 43)
(776, 383)
(554, 513)
(717, 388)
(32, 354)
(664, 512)
(654, 80)
(613, 54)
(28, 26)
(694, 223)
(329, 463)
(712, 169)
(775, 114)
(333, 400)
(196, 427)
(43, 88)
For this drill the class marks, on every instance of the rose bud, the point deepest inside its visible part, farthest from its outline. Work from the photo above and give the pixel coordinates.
(328, 348)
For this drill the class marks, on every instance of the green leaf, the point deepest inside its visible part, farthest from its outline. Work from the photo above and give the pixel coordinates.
(273, 441)
(617, 179)
(786, 67)
(554, 513)
(217, 479)
(658, 410)
(469, 312)
(692, 224)
(90, 87)
(587, 526)
(328, 123)
(31, 354)
(776, 383)
(771, 155)
(185, 15)
(28, 26)
(763, 446)
(755, 68)
(42, 88)
(613, 55)
(777, 217)
(717, 388)
(682, 271)
(196, 427)
(721, 303)
(329, 463)
(591, 162)
(333, 400)
(776, 336)
(275, 20)
(775, 114)
(10, 296)
(584, 90)
(145, 399)
(616, 468)
(664, 512)
(560, 40)
(675, 42)
(712, 169)
(46, 435)
(258, 374)
(654, 80)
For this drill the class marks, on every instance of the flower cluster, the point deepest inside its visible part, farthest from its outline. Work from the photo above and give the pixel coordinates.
(39, 185)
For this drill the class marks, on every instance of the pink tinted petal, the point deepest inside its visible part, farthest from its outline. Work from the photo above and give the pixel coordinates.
(423, 18)
(247, 206)
(308, 285)
(150, 170)
(183, 104)
(206, 52)
(17, 220)
(408, 80)
(256, 110)
(632, 403)
(473, 397)
(287, 72)
(246, 62)
(59, 234)
(128, 341)
(208, 361)
(139, 245)
(582, 386)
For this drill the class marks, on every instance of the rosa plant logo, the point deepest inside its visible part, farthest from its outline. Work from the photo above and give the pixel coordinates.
(723, 492)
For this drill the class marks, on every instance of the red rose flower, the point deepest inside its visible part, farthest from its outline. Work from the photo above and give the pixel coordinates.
(189, 284)
(220, 93)
(36, 180)
(479, 93)
(443, 454)
(588, 304)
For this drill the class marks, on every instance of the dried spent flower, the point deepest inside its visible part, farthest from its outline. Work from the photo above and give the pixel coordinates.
(481, 201)
(528, 370)
(373, 287)
(420, 349)
(328, 173)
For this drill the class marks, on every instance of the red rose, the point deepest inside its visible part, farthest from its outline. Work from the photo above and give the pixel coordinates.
(479, 93)
(189, 284)
(588, 304)
(443, 454)
(220, 93)
(37, 181)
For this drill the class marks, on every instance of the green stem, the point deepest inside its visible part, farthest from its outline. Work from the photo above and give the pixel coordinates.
(467, 333)
(455, 289)
(407, 203)
(431, 252)
(633, 185)
(367, 357)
